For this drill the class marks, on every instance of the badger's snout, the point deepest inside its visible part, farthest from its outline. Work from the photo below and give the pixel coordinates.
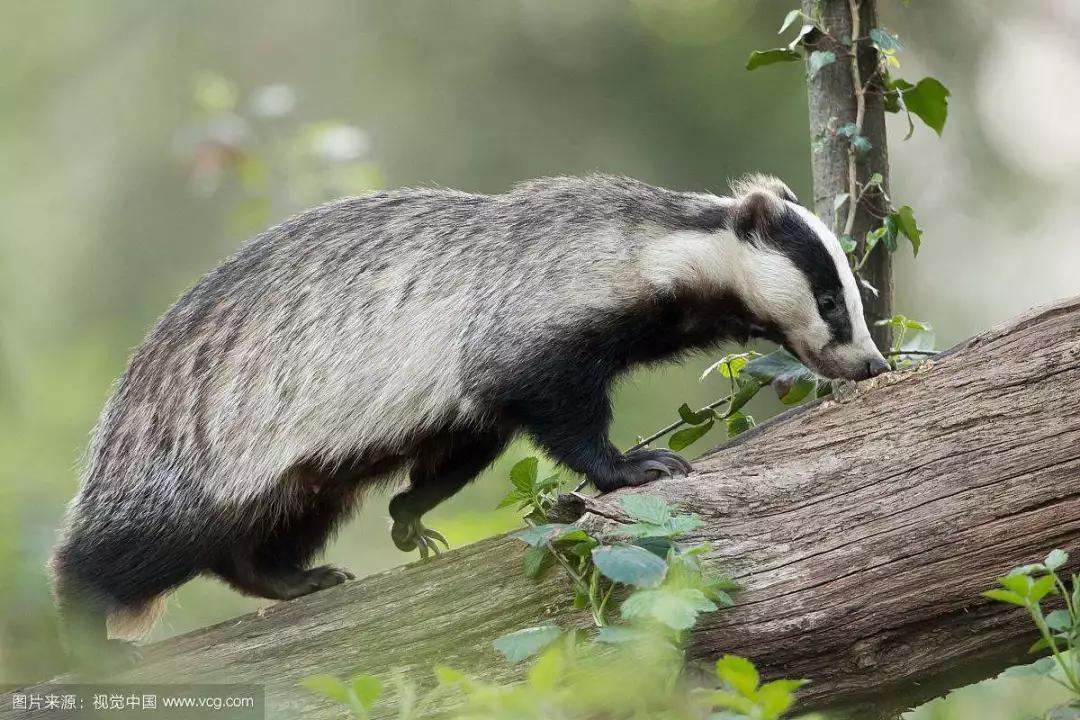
(875, 366)
(845, 362)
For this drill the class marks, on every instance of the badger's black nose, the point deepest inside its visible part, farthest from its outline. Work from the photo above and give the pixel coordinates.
(876, 366)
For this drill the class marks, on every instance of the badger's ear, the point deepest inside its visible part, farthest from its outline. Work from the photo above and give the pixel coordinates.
(766, 183)
(755, 213)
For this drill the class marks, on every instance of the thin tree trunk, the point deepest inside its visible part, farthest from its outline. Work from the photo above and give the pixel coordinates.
(833, 104)
(862, 531)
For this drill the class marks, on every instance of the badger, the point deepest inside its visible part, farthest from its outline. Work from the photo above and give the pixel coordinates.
(419, 331)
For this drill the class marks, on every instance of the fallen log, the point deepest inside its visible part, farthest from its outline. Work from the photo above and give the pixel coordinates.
(862, 531)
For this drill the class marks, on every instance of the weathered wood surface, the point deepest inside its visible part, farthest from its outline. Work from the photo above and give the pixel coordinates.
(862, 531)
(831, 94)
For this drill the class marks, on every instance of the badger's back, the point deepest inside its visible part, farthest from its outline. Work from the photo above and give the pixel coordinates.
(356, 325)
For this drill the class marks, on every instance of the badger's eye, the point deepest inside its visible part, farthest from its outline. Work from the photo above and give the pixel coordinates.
(827, 303)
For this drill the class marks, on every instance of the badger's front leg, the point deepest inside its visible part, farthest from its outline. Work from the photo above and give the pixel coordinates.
(442, 467)
(573, 429)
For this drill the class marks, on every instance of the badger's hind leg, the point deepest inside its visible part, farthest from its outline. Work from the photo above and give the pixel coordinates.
(443, 466)
(273, 562)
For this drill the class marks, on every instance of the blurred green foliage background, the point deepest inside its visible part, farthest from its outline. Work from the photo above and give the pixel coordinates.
(144, 141)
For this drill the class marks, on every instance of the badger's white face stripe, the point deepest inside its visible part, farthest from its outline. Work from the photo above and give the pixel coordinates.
(772, 286)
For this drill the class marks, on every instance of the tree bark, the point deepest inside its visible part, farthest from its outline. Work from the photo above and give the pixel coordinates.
(833, 104)
(861, 529)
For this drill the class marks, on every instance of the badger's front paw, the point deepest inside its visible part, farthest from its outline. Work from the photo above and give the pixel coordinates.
(640, 467)
(411, 535)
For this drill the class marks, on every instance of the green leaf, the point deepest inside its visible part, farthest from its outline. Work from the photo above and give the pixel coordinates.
(367, 689)
(447, 675)
(1059, 620)
(761, 58)
(1041, 588)
(539, 534)
(534, 560)
(690, 417)
(681, 524)
(630, 565)
(847, 244)
(747, 390)
(789, 19)
(523, 475)
(512, 498)
(739, 674)
(848, 130)
(1045, 666)
(523, 644)
(905, 223)
(1056, 559)
(1019, 584)
(805, 30)
(799, 390)
(884, 40)
(777, 364)
(646, 508)
(328, 686)
(617, 635)
(862, 145)
(687, 436)
(1005, 596)
(928, 99)
(820, 59)
(545, 673)
(677, 609)
(738, 423)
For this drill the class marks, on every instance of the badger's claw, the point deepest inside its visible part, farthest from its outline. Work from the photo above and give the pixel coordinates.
(412, 535)
(649, 465)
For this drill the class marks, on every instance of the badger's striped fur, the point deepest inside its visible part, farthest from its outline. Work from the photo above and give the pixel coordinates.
(420, 330)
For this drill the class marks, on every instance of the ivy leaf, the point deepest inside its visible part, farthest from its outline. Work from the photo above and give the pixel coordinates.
(761, 58)
(738, 423)
(847, 244)
(790, 18)
(523, 644)
(691, 417)
(839, 200)
(799, 390)
(779, 363)
(630, 565)
(862, 145)
(688, 436)
(747, 390)
(781, 369)
(885, 40)
(646, 508)
(848, 130)
(367, 689)
(904, 219)
(820, 59)
(928, 99)
(677, 609)
(805, 30)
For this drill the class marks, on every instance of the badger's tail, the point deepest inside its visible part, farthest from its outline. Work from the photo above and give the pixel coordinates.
(135, 622)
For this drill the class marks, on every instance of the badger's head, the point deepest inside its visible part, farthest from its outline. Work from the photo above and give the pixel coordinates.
(790, 272)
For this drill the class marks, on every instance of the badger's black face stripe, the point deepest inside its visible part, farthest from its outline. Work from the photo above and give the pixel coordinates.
(794, 238)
